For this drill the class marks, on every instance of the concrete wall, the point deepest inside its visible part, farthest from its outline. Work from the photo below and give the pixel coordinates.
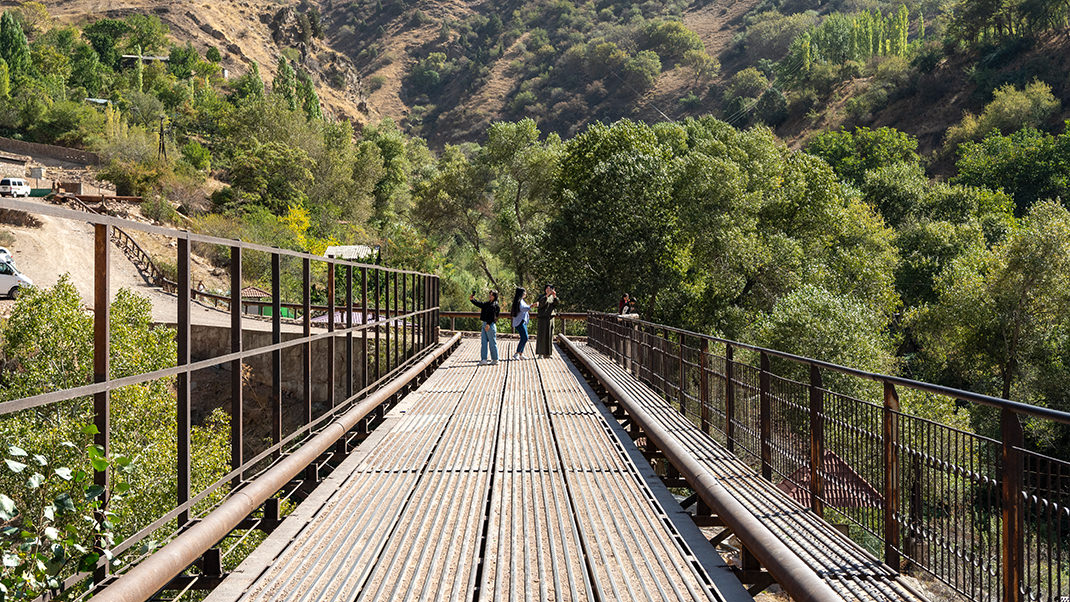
(208, 342)
(71, 155)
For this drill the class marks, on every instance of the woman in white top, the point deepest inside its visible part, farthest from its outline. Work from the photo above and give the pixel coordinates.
(521, 314)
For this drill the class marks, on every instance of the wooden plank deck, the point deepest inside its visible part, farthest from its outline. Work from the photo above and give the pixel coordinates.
(506, 482)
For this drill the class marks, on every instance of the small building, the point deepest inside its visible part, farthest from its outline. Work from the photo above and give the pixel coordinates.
(357, 253)
(261, 299)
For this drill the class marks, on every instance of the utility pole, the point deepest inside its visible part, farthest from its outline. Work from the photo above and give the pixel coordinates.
(161, 153)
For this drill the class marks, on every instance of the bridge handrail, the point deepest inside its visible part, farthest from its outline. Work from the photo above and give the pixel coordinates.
(999, 509)
(988, 400)
(405, 301)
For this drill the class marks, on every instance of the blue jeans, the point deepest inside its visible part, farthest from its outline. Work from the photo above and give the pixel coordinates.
(488, 336)
(522, 330)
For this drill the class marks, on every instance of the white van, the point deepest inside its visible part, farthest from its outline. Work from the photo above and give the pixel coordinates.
(14, 187)
(11, 280)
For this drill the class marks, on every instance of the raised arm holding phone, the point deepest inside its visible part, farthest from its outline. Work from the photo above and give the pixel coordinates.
(488, 335)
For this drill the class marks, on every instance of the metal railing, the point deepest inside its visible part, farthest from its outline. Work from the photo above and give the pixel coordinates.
(403, 306)
(469, 321)
(984, 515)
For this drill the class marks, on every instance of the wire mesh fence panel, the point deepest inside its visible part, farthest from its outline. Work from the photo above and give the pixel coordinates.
(963, 500)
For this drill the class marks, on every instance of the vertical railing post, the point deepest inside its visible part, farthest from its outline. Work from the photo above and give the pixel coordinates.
(891, 475)
(389, 351)
(680, 377)
(378, 318)
(657, 343)
(1012, 484)
(183, 380)
(399, 338)
(364, 331)
(349, 332)
(276, 355)
(236, 395)
(817, 441)
(404, 310)
(437, 299)
(704, 386)
(729, 399)
(102, 357)
(421, 334)
(765, 429)
(306, 330)
(331, 400)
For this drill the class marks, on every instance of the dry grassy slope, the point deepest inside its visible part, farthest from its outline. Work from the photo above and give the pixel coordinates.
(238, 28)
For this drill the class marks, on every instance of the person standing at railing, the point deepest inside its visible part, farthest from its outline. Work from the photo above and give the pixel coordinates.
(623, 304)
(521, 315)
(547, 304)
(488, 335)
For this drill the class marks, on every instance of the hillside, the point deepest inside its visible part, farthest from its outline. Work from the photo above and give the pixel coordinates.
(492, 60)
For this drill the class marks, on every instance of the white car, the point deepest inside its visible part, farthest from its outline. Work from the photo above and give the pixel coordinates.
(5, 256)
(11, 280)
(14, 187)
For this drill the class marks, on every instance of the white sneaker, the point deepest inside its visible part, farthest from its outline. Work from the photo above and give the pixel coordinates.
(493, 362)
(484, 362)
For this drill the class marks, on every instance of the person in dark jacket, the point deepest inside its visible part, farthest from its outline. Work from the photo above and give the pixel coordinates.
(488, 315)
(623, 304)
(547, 304)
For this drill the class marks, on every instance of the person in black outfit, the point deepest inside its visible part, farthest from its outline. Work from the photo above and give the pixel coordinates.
(547, 304)
(488, 315)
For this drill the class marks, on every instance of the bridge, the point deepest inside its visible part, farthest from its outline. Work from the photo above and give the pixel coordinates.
(638, 462)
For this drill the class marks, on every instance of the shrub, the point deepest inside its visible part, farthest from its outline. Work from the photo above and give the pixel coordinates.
(158, 209)
(197, 156)
(376, 81)
(1011, 109)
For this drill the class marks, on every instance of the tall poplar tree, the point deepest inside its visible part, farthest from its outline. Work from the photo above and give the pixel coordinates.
(14, 48)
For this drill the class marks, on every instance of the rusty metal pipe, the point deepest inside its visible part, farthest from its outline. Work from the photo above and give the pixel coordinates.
(798, 579)
(144, 580)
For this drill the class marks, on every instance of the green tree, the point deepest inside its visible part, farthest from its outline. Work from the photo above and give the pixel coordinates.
(48, 343)
(671, 40)
(213, 55)
(249, 85)
(1011, 109)
(997, 312)
(836, 328)
(452, 201)
(309, 100)
(1029, 165)
(147, 33)
(197, 156)
(926, 249)
(272, 174)
(616, 228)
(5, 80)
(181, 61)
(104, 35)
(14, 48)
(285, 83)
(523, 170)
(87, 71)
(759, 221)
(852, 154)
(396, 153)
(641, 71)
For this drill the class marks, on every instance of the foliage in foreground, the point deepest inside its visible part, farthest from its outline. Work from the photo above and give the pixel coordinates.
(47, 346)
